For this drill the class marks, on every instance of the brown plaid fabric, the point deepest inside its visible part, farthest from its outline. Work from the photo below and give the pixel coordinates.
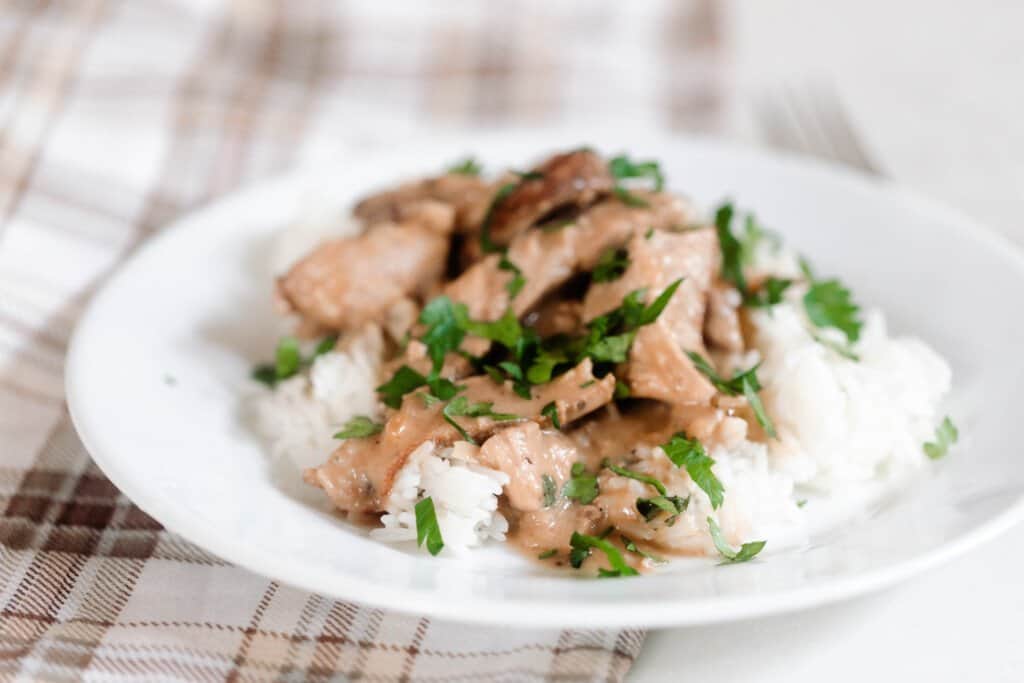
(118, 117)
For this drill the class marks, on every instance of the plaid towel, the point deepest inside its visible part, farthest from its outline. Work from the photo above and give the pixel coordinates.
(118, 117)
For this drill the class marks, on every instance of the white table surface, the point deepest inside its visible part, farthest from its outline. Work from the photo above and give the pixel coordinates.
(936, 91)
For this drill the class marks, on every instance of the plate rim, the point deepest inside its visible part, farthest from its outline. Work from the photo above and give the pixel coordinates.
(691, 611)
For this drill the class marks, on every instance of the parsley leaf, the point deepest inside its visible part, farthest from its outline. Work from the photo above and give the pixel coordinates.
(769, 294)
(547, 553)
(359, 427)
(550, 411)
(487, 245)
(460, 406)
(515, 285)
(506, 330)
(401, 383)
(622, 168)
(549, 489)
(690, 453)
(745, 383)
(843, 350)
(673, 505)
(732, 260)
(427, 528)
(468, 166)
(639, 476)
(746, 552)
(945, 436)
(582, 485)
(581, 545)
(612, 264)
(287, 359)
(829, 304)
(630, 546)
(444, 329)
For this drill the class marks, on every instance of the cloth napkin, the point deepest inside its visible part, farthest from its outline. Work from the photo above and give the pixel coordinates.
(118, 117)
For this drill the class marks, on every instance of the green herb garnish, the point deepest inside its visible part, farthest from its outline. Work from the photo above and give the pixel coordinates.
(487, 245)
(401, 383)
(829, 304)
(623, 168)
(515, 285)
(547, 553)
(550, 411)
(945, 436)
(630, 546)
(582, 544)
(468, 166)
(445, 330)
(359, 427)
(549, 489)
(460, 406)
(745, 383)
(769, 294)
(673, 505)
(288, 360)
(612, 264)
(843, 350)
(638, 476)
(427, 528)
(690, 453)
(581, 486)
(746, 552)
(732, 250)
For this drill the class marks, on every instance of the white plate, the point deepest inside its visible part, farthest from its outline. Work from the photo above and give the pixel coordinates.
(194, 304)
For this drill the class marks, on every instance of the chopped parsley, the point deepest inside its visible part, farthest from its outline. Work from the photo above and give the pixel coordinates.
(649, 234)
(736, 253)
(732, 250)
(427, 528)
(582, 485)
(460, 406)
(690, 453)
(638, 476)
(623, 168)
(401, 383)
(445, 330)
(588, 383)
(946, 434)
(612, 264)
(468, 166)
(547, 553)
(515, 285)
(829, 304)
(746, 552)
(769, 294)
(288, 360)
(630, 546)
(745, 383)
(487, 245)
(359, 427)
(673, 505)
(582, 544)
(621, 390)
(550, 411)
(549, 490)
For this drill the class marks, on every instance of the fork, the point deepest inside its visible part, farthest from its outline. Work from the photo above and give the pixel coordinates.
(813, 121)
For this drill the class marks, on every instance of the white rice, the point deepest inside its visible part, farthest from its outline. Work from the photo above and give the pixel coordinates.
(842, 425)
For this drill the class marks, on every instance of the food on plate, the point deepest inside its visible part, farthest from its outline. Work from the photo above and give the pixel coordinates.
(574, 360)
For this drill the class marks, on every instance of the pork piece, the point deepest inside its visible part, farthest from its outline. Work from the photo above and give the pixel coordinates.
(347, 282)
(575, 178)
(658, 366)
(527, 453)
(549, 258)
(722, 327)
(469, 197)
(359, 474)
